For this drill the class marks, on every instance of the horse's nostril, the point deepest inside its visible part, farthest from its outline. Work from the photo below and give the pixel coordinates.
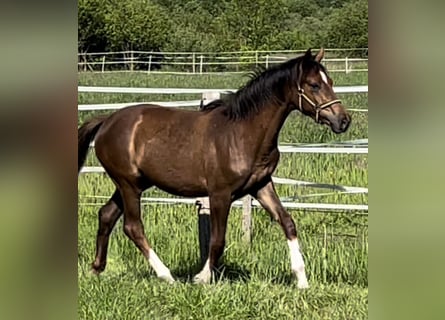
(345, 123)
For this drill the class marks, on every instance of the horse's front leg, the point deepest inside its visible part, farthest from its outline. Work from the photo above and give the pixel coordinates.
(270, 201)
(219, 211)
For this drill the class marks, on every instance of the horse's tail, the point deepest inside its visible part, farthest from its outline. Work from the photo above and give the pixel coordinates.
(86, 134)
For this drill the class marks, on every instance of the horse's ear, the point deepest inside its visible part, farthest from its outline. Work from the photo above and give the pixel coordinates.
(308, 54)
(319, 55)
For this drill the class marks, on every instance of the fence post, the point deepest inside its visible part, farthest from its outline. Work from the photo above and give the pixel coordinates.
(346, 65)
(193, 63)
(103, 63)
(247, 219)
(149, 63)
(203, 206)
(256, 58)
(85, 60)
(267, 61)
(203, 203)
(200, 64)
(131, 59)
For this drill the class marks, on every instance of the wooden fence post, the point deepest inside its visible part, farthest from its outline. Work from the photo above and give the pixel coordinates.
(131, 60)
(103, 64)
(201, 58)
(85, 60)
(149, 63)
(203, 203)
(247, 219)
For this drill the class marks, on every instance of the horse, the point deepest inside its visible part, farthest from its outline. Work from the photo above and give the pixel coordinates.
(224, 151)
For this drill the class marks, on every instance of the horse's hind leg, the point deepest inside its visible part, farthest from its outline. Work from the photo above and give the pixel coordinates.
(134, 229)
(108, 215)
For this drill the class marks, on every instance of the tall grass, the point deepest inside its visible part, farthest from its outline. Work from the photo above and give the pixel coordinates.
(255, 281)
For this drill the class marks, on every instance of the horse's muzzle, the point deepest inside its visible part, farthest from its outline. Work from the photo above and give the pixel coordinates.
(341, 123)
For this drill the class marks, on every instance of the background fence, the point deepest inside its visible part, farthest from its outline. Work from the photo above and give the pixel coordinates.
(336, 60)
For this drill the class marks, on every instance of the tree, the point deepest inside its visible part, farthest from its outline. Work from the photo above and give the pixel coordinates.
(226, 25)
(136, 25)
(91, 35)
(348, 26)
(253, 22)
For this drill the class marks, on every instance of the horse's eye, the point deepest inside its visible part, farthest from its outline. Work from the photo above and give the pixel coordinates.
(314, 86)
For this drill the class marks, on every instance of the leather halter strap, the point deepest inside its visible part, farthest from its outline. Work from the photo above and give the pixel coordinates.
(318, 108)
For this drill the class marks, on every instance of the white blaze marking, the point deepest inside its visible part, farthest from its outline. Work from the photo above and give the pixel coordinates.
(205, 275)
(161, 270)
(297, 263)
(324, 77)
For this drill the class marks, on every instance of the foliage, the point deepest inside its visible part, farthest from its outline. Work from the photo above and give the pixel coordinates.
(349, 26)
(135, 25)
(228, 25)
(91, 26)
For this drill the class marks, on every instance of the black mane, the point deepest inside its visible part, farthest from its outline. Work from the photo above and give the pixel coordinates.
(263, 86)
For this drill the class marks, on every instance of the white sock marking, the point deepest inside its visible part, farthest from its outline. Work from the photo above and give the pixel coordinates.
(161, 270)
(324, 77)
(205, 275)
(297, 263)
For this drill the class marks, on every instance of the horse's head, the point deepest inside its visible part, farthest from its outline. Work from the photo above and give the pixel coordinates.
(315, 96)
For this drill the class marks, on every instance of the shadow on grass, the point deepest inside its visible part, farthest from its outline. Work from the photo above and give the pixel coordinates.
(185, 274)
(232, 273)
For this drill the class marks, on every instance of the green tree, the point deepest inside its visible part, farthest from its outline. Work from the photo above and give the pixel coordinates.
(226, 25)
(136, 25)
(91, 35)
(194, 28)
(303, 8)
(252, 22)
(348, 26)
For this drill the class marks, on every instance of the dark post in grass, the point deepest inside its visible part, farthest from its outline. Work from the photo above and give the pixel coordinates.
(203, 227)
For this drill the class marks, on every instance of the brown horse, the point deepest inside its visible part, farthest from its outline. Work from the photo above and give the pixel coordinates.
(225, 151)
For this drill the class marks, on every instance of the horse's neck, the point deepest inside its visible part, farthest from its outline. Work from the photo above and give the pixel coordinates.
(271, 119)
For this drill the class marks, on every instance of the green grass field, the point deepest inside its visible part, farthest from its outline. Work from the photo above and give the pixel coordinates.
(256, 280)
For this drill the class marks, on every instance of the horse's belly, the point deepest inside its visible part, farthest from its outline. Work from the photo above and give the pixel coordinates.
(185, 182)
(184, 190)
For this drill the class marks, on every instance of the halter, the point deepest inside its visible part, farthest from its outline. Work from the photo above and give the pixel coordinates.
(317, 108)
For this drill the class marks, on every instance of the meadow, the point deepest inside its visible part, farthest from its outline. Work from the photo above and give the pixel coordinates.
(255, 280)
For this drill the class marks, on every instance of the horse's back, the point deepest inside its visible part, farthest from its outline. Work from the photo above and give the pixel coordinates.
(146, 118)
(162, 145)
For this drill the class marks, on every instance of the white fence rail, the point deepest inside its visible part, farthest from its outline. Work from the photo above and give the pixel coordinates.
(360, 208)
(188, 103)
(286, 204)
(349, 147)
(343, 89)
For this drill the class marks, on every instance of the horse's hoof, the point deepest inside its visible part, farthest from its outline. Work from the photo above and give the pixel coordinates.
(303, 284)
(93, 272)
(167, 278)
(201, 279)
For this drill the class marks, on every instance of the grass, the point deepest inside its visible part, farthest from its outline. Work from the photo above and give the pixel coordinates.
(255, 281)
